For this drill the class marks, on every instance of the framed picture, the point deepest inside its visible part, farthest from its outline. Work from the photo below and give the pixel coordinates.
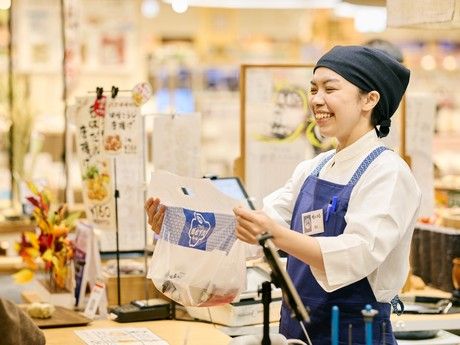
(277, 131)
(36, 35)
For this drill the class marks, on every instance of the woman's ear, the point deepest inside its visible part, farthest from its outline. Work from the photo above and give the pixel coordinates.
(371, 100)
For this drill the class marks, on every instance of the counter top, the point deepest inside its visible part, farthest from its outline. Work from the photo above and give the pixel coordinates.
(172, 331)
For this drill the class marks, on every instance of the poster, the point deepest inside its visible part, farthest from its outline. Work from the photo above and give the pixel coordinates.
(421, 110)
(109, 44)
(122, 127)
(110, 140)
(37, 36)
(130, 185)
(176, 143)
(278, 131)
(96, 168)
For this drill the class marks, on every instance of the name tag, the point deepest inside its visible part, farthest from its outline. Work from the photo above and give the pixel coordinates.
(312, 222)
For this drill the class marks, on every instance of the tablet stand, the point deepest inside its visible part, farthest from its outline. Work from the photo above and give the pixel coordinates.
(281, 279)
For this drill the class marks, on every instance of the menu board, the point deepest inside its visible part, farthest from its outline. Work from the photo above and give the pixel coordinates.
(111, 153)
(96, 167)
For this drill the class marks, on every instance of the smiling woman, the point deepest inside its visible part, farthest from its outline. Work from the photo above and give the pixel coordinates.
(372, 71)
(339, 108)
(346, 217)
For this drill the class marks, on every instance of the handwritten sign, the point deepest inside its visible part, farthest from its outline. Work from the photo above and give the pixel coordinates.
(96, 168)
(111, 152)
(177, 144)
(421, 111)
(122, 124)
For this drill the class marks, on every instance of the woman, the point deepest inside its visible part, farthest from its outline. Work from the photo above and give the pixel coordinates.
(360, 202)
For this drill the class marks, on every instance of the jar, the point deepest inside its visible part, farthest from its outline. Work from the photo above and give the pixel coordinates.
(456, 273)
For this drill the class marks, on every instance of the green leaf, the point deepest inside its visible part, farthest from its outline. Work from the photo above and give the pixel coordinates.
(72, 218)
(91, 172)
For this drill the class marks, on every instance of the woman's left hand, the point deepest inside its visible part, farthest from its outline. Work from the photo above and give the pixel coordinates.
(250, 224)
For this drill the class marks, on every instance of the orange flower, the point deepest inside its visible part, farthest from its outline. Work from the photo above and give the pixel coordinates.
(48, 244)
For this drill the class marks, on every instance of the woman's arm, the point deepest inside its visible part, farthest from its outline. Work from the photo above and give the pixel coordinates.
(251, 224)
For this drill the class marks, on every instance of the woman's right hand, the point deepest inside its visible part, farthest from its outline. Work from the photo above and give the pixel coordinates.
(155, 213)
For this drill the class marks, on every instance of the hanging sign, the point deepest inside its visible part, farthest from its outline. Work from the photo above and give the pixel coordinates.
(122, 126)
(96, 168)
(123, 140)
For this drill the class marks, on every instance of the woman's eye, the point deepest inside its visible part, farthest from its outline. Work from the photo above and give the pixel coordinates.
(313, 91)
(330, 89)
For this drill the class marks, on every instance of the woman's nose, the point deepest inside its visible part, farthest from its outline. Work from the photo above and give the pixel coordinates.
(317, 98)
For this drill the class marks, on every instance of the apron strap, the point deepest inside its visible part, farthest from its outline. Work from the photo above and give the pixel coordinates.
(365, 163)
(321, 165)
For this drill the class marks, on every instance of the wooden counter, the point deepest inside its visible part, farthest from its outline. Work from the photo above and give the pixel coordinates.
(174, 332)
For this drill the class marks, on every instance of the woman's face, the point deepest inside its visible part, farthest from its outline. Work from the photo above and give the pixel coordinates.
(338, 107)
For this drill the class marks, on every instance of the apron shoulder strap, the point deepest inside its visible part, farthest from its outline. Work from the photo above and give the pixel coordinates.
(322, 164)
(365, 164)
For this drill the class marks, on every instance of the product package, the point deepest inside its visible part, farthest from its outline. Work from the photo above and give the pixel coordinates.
(197, 261)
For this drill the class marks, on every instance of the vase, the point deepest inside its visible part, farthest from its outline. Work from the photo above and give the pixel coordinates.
(49, 291)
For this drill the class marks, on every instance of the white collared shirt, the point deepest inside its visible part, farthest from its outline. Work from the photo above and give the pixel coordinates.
(381, 215)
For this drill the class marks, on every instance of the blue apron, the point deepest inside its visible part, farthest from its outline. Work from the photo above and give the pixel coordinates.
(317, 194)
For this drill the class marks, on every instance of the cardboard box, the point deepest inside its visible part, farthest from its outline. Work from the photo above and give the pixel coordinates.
(132, 287)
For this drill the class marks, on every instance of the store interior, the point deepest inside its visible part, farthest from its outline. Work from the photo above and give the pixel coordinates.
(55, 53)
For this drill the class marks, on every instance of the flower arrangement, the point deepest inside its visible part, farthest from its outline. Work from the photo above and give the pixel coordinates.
(48, 246)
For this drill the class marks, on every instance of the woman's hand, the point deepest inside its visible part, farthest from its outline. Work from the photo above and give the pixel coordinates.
(155, 213)
(251, 224)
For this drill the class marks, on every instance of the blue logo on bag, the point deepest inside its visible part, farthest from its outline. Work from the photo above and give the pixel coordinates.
(197, 229)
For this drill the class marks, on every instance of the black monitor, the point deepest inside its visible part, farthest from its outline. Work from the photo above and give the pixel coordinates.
(232, 187)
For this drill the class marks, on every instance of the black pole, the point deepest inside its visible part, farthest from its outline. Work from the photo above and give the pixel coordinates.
(117, 195)
(281, 279)
(266, 300)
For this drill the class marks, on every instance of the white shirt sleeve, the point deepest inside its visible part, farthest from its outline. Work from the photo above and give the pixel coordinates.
(383, 207)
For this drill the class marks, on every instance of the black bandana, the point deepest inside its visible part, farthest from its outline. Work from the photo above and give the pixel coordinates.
(371, 69)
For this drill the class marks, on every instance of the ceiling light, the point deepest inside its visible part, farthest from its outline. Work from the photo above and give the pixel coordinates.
(150, 8)
(428, 62)
(367, 18)
(5, 4)
(449, 63)
(179, 6)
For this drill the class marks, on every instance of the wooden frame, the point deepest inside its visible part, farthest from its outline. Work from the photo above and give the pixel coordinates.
(402, 139)
(259, 82)
(248, 86)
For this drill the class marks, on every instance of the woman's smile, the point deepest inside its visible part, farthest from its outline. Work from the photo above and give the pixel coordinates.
(322, 118)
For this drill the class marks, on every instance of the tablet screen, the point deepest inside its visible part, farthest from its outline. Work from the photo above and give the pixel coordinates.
(233, 187)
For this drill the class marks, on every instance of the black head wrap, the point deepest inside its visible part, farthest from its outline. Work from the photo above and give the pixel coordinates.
(371, 69)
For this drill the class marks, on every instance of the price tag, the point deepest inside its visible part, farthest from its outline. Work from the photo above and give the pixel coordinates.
(97, 300)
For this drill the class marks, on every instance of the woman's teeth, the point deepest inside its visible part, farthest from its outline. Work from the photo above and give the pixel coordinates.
(320, 116)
